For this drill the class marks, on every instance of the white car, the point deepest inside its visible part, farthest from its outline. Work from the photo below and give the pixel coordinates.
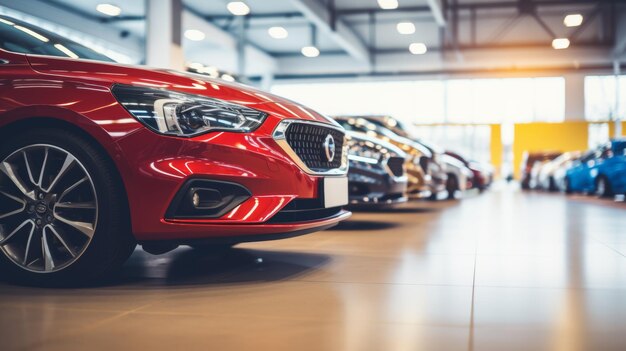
(458, 175)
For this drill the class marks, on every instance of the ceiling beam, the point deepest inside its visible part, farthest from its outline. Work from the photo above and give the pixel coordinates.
(473, 6)
(495, 59)
(253, 16)
(436, 10)
(338, 30)
(539, 71)
(620, 35)
(403, 50)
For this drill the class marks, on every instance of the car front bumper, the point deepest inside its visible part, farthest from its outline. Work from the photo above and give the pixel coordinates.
(371, 185)
(158, 167)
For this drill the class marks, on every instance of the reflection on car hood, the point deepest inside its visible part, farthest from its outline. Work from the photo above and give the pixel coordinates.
(108, 74)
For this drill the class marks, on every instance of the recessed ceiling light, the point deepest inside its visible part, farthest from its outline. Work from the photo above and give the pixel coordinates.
(388, 4)
(405, 28)
(109, 9)
(418, 48)
(310, 51)
(573, 20)
(278, 32)
(194, 34)
(238, 8)
(560, 43)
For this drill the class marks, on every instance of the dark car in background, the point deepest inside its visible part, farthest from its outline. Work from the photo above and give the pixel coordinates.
(377, 174)
(458, 176)
(601, 171)
(426, 176)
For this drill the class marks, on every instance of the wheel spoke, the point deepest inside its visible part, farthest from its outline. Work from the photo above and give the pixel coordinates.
(16, 199)
(79, 205)
(45, 250)
(60, 238)
(28, 242)
(8, 170)
(30, 172)
(43, 167)
(68, 190)
(19, 227)
(69, 160)
(85, 228)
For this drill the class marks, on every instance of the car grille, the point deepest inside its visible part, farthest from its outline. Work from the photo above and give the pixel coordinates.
(395, 165)
(307, 141)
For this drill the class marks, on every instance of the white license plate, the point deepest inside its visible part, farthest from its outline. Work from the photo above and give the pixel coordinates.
(335, 191)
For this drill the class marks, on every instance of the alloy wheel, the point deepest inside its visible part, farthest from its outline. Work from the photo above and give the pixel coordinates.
(48, 208)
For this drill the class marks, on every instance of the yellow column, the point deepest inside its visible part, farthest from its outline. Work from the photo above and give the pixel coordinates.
(496, 147)
(566, 136)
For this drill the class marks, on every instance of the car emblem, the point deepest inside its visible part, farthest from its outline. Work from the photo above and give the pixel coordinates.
(41, 208)
(329, 147)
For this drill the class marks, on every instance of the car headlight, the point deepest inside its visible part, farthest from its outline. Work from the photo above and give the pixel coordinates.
(186, 115)
(359, 152)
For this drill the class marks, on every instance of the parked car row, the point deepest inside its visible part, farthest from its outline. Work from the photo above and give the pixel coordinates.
(428, 171)
(600, 171)
(97, 157)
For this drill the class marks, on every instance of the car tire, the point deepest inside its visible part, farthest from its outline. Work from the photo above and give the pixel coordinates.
(452, 185)
(73, 203)
(603, 187)
(525, 184)
(552, 185)
(567, 187)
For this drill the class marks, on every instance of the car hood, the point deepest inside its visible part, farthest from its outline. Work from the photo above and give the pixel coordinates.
(103, 73)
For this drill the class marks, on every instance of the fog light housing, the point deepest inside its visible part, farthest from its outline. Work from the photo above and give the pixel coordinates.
(199, 198)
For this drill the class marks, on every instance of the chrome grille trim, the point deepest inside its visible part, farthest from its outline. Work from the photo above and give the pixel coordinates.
(280, 136)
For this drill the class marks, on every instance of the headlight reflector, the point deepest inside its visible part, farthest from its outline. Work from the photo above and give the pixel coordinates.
(181, 114)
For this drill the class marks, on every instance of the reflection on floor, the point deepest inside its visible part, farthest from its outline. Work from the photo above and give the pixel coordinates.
(499, 271)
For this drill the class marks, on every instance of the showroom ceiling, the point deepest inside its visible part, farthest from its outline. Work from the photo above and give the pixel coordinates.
(358, 37)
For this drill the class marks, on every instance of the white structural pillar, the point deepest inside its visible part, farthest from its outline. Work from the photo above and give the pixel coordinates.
(574, 97)
(163, 34)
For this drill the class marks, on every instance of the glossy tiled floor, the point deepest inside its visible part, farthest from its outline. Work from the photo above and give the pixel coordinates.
(499, 271)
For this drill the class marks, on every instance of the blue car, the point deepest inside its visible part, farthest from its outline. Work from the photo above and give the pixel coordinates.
(601, 171)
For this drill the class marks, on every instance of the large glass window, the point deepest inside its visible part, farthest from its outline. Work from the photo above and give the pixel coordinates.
(418, 102)
(605, 98)
(472, 141)
(598, 134)
(467, 101)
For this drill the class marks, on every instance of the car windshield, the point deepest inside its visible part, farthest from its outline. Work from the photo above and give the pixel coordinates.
(21, 37)
(619, 148)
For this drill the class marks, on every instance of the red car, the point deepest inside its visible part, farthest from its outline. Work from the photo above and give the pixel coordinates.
(483, 173)
(96, 157)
